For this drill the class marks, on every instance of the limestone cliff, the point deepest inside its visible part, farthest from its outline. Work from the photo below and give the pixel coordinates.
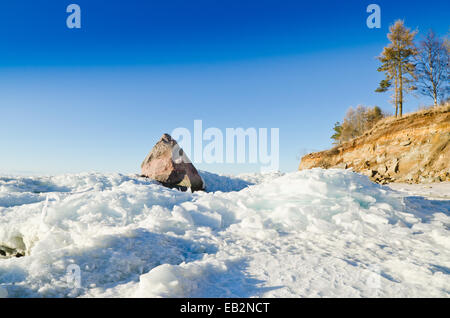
(414, 148)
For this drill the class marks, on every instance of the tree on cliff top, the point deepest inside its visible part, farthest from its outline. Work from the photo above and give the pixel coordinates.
(432, 67)
(397, 64)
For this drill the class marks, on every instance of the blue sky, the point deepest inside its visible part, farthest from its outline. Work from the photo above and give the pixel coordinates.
(98, 98)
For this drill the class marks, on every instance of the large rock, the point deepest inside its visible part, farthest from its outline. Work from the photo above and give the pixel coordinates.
(168, 164)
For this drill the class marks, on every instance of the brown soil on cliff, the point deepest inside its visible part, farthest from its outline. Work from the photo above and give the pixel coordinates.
(414, 148)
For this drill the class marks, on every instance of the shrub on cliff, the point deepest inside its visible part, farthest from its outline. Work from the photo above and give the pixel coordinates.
(356, 122)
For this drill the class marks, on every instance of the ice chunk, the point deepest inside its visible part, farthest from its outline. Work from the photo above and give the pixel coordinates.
(3, 292)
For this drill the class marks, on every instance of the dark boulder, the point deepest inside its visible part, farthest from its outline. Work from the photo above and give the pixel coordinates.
(168, 164)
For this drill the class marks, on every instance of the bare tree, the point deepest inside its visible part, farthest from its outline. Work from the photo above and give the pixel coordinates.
(432, 67)
(356, 122)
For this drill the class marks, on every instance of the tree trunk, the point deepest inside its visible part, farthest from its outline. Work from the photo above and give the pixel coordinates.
(430, 62)
(435, 94)
(396, 96)
(400, 91)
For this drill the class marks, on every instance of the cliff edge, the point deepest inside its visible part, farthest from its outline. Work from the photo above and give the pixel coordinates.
(412, 149)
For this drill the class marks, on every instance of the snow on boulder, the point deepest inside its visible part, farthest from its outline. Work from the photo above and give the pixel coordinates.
(168, 164)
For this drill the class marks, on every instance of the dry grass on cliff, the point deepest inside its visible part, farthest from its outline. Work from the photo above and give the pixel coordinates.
(411, 119)
(431, 110)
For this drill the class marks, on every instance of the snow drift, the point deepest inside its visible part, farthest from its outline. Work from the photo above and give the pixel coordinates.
(312, 233)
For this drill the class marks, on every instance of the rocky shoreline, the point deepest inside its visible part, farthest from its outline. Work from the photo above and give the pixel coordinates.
(411, 149)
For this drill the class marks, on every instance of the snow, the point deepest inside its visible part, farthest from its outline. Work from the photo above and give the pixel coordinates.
(436, 191)
(314, 233)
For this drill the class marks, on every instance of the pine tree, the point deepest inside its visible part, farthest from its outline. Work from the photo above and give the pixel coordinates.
(337, 133)
(388, 66)
(396, 63)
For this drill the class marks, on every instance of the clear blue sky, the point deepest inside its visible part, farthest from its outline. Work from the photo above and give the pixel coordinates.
(97, 99)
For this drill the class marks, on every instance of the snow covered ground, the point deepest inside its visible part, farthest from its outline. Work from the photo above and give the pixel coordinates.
(315, 233)
(436, 191)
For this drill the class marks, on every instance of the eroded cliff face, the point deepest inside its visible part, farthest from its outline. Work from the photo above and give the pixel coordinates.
(413, 149)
